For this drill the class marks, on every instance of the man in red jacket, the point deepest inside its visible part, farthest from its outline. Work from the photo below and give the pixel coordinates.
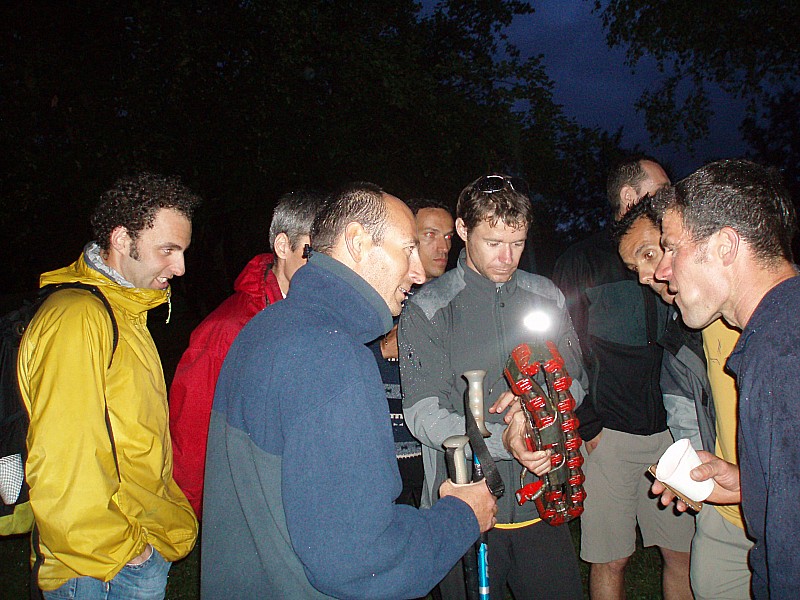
(263, 281)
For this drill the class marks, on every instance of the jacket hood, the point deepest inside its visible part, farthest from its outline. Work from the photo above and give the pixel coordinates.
(133, 300)
(252, 280)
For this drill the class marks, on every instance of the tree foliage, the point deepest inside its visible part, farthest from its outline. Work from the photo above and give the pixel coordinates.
(775, 138)
(749, 49)
(246, 100)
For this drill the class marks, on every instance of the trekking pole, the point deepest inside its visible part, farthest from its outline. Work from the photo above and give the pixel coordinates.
(483, 543)
(475, 406)
(456, 460)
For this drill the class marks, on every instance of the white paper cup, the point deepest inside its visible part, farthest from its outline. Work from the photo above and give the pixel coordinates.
(674, 467)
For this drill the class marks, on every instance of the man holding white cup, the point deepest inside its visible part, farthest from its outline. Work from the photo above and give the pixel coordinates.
(727, 232)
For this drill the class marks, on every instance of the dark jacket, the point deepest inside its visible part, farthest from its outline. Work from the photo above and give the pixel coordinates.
(766, 363)
(301, 472)
(618, 322)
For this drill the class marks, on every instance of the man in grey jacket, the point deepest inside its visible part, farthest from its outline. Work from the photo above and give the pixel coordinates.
(471, 318)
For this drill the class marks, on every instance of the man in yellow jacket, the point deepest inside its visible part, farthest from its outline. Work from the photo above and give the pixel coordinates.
(109, 517)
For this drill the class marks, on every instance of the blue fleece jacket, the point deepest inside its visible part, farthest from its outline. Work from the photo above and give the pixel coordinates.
(301, 472)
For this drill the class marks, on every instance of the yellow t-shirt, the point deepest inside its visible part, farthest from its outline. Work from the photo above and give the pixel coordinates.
(719, 341)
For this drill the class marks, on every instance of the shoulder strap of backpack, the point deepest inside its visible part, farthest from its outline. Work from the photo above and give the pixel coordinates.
(95, 291)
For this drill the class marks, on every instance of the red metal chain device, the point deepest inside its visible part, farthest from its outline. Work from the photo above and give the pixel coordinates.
(551, 424)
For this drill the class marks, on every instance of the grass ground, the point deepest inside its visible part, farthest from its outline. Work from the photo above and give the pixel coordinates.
(643, 577)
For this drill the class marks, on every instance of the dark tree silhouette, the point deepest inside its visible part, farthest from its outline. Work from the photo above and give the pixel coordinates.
(246, 100)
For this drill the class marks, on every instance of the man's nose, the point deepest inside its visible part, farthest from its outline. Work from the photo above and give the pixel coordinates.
(645, 277)
(663, 270)
(179, 266)
(506, 254)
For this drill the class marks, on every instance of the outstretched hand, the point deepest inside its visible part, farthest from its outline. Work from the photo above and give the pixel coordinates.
(724, 474)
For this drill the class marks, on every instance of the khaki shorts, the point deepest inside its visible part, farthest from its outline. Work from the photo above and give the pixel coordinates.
(618, 496)
(719, 558)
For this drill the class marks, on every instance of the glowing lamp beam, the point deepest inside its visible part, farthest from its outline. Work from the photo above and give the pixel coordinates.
(538, 321)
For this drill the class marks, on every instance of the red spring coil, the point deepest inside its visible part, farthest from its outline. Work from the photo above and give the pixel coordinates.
(575, 511)
(521, 387)
(548, 514)
(577, 479)
(554, 496)
(556, 503)
(578, 496)
(535, 404)
(569, 425)
(522, 354)
(575, 462)
(562, 384)
(566, 405)
(531, 369)
(553, 365)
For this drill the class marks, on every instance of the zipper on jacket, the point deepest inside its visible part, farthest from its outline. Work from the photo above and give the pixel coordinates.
(499, 325)
(655, 351)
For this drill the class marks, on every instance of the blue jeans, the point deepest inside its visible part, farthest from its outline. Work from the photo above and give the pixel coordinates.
(147, 581)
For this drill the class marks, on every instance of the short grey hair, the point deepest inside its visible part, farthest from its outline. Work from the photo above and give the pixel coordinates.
(294, 215)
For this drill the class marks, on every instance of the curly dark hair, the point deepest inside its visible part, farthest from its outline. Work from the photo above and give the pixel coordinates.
(646, 207)
(134, 201)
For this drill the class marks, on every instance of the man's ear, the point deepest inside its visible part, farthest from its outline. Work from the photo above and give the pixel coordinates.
(358, 241)
(120, 240)
(461, 229)
(627, 198)
(282, 248)
(727, 245)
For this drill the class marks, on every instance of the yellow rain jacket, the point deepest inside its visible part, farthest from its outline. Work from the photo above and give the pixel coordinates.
(91, 519)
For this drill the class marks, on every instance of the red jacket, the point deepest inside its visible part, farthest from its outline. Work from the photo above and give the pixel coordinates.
(192, 391)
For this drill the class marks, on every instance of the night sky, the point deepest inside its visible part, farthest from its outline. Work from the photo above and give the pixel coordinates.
(597, 89)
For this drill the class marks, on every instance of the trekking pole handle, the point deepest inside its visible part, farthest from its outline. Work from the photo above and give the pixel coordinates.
(456, 458)
(475, 398)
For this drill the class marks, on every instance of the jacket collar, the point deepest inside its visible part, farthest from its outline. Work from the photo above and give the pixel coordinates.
(343, 294)
(133, 300)
(676, 335)
(258, 280)
(480, 283)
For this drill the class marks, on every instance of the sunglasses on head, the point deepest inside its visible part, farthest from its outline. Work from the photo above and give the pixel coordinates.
(490, 184)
